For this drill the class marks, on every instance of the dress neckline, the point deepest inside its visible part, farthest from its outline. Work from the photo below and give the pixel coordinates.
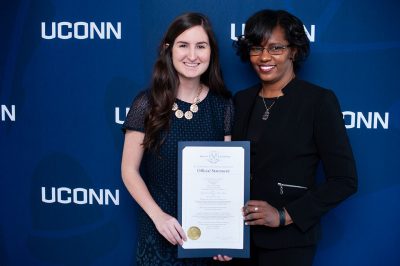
(184, 102)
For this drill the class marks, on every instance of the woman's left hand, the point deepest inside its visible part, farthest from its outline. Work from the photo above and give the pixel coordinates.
(222, 258)
(257, 212)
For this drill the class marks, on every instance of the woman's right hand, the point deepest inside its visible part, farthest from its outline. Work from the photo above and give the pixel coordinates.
(170, 228)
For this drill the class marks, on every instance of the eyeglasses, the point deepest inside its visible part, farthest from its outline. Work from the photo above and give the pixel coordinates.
(275, 49)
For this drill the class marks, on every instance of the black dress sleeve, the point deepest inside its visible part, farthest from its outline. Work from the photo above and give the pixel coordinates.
(137, 113)
(337, 159)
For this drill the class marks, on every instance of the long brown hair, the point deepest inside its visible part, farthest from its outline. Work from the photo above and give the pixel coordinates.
(165, 80)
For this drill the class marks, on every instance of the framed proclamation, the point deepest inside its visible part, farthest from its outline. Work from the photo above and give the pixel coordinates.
(213, 186)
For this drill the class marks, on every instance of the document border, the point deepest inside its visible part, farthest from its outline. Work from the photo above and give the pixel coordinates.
(199, 253)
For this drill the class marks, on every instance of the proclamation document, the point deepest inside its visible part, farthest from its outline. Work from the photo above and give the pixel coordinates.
(213, 186)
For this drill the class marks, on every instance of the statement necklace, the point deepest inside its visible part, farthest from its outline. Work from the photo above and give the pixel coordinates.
(193, 107)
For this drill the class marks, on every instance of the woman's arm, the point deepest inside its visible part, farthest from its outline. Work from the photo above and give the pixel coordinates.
(338, 162)
(132, 155)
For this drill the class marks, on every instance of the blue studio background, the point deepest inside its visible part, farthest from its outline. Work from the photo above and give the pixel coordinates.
(64, 93)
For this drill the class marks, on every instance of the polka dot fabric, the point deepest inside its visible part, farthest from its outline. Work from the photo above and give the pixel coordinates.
(211, 123)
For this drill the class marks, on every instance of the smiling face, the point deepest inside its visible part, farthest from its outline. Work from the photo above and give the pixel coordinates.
(276, 70)
(191, 53)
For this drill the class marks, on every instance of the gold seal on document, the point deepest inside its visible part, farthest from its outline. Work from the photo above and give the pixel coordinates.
(194, 233)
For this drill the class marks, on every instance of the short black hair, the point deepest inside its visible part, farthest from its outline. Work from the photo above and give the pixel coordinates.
(259, 28)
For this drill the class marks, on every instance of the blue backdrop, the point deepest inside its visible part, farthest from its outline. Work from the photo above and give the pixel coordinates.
(69, 70)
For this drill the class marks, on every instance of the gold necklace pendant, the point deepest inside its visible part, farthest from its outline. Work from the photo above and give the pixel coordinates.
(179, 113)
(194, 108)
(188, 115)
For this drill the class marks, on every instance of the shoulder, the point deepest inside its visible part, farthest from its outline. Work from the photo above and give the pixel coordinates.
(305, 87)
(143, 96)
(322, 101)
(310, 91)
(219, 99)
(246, 96)
(248, 92)
(138, 112)
(141, 101)
(309, 88)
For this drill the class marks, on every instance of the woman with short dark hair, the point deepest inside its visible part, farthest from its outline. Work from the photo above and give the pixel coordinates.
(292, 125)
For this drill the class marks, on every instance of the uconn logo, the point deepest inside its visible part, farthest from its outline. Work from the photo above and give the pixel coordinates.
(81, 30)
(80, 196)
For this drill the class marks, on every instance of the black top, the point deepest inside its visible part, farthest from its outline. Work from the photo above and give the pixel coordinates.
(256, 121)
(305, 127)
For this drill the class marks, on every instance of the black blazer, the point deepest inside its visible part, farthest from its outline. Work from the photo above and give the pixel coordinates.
(305, 127)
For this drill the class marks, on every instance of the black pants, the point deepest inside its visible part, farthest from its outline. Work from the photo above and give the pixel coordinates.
(297, 256)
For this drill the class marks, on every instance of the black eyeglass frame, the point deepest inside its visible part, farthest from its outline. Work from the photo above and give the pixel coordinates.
(273, 49)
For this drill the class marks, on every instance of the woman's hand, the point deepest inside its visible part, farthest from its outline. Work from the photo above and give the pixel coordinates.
(257, 212)
(170, 228)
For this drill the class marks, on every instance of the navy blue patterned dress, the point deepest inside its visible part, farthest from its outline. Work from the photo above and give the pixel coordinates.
(212, 122)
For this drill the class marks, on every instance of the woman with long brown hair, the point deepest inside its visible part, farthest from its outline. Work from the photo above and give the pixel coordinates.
(187, 101)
